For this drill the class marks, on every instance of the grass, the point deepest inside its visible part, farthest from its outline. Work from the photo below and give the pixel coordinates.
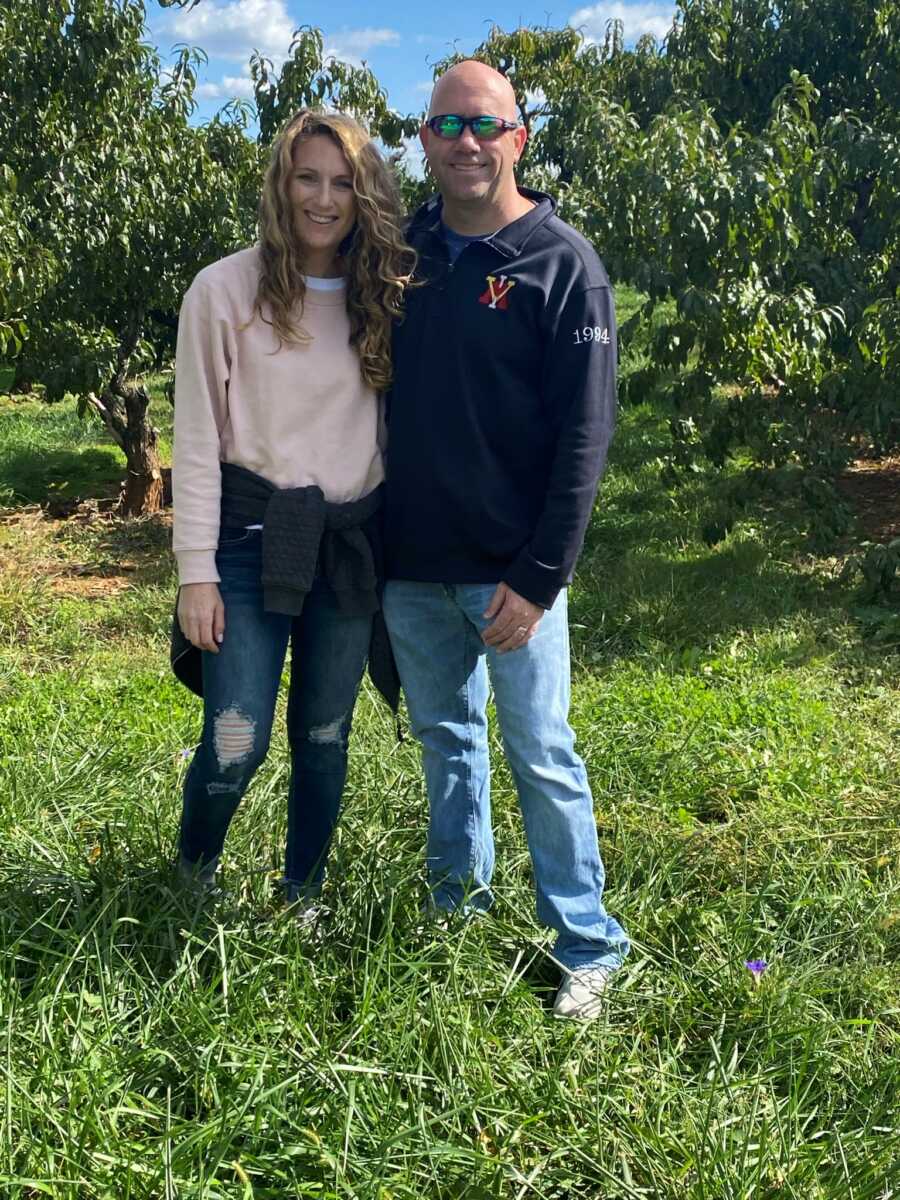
(48, 452)
(743, 746)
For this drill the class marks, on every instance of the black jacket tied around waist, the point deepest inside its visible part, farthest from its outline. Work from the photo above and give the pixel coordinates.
(301, 530)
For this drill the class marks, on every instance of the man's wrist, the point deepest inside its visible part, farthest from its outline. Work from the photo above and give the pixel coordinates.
(536, 583)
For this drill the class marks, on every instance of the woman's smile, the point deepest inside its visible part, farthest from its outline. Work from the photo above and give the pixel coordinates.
(321, 194)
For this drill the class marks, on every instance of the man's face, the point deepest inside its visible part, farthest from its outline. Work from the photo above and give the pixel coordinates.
(468, 170)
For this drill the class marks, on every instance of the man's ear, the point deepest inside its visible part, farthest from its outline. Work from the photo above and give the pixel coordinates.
(424, 135)
(520, 137)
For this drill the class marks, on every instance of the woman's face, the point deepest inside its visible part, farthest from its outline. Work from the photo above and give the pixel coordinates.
(320, 190)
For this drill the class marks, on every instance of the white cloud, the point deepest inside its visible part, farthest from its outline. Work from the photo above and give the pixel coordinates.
(353, 45)
(227, 88)
(358, 42)
(425, 88)
(232, 29)
(637, 17)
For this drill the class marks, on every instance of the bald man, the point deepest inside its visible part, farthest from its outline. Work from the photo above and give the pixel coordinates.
(500, 416)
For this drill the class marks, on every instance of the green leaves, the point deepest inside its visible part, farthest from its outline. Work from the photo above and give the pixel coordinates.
(109, 202)
(749, 169)
(308, 79)
(877, 565)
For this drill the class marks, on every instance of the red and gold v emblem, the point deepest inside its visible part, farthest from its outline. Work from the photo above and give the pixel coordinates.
(497, 291)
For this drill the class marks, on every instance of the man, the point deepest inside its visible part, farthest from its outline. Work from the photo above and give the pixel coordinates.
(500, 417)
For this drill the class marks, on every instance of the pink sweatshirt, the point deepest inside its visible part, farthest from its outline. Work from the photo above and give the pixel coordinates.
(300, 416)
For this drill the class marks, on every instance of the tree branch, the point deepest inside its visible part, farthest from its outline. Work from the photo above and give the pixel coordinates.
(109, 414)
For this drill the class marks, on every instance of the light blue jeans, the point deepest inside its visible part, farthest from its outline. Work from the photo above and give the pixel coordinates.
(446, 671)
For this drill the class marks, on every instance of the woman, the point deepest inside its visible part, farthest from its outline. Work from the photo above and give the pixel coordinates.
(282, 352)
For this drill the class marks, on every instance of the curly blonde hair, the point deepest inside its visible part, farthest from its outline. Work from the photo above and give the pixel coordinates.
(379, 264)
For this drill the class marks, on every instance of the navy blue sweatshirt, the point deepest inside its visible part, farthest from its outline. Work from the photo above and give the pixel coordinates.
(502, 407)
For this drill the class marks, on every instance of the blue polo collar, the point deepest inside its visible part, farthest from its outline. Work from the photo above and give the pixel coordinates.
(511, 239)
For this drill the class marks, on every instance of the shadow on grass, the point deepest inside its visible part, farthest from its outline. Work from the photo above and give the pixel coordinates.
(34, 476)
(112, 545)
(142, 919)
(653, 601)
(670, 565)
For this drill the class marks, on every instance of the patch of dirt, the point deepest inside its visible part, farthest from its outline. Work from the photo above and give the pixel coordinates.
(872, 488)
(73, 507)
(74, 578)
(61, 508)
(59, 512)
(82, 580)
(93, 553)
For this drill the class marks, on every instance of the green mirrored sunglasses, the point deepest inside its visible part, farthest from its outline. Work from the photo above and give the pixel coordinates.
(485, 128)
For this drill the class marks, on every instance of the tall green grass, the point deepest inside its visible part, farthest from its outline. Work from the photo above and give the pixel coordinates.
(742, 743)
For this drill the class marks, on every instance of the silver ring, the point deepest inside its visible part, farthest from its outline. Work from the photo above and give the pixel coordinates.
(521, 629)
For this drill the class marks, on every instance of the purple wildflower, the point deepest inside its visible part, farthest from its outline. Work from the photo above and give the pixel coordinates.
(185, 754)
(757, 968)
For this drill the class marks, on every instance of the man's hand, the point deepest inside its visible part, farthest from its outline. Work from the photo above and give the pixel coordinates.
(201, 615)
(515, 620)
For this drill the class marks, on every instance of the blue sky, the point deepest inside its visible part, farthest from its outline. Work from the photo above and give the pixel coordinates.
(399, 41)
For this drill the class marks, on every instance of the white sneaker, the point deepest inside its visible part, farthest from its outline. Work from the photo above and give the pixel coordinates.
(580, 997)
(306, 914)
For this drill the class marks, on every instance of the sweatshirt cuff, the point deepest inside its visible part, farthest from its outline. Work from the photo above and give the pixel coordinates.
(196, 566)
(536, 582)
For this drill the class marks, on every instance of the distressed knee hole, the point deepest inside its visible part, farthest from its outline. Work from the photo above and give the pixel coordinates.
(233, 737)
(325, 734)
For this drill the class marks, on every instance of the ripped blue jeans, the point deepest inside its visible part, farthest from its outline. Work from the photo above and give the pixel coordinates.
(240, 685)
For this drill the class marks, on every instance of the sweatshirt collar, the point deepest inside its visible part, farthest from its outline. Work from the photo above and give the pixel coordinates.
(511, 239)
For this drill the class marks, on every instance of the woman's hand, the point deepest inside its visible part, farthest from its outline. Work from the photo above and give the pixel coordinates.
(201, 615)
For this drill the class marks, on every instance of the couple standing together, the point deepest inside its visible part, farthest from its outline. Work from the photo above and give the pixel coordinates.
(302, 515)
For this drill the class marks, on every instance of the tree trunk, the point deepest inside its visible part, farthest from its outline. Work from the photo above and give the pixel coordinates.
(123, 407)
(22, 384)
(143, 492)
(144, 482)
